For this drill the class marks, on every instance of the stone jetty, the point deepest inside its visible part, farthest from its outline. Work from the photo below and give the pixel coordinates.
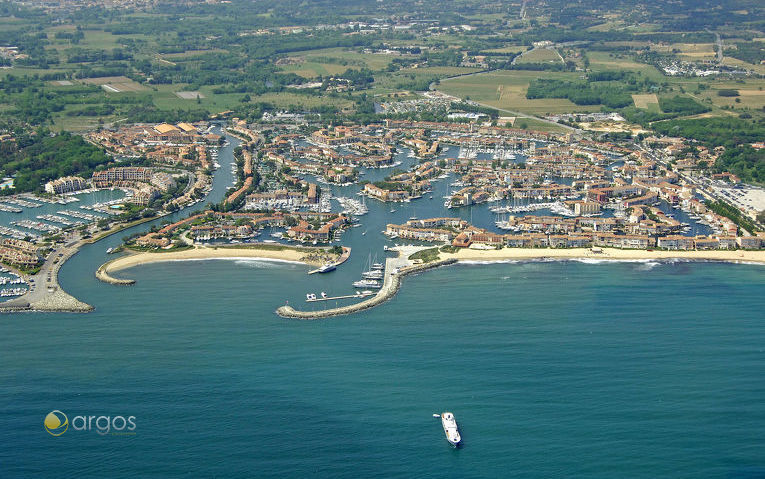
(103, 275)
(390, 287)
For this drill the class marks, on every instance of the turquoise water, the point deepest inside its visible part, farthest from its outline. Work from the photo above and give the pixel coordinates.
(553, 369)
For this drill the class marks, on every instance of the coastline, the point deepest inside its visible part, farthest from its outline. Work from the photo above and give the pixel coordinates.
(131, 260)
(47, 296)
(606, 254)
(403, 267)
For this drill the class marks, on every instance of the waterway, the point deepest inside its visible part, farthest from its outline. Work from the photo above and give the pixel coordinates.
(553, 369)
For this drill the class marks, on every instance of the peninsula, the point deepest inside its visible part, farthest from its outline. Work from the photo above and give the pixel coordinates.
(309, 256)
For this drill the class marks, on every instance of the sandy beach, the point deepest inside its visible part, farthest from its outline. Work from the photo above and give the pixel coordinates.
(286, 254)
(612, 254)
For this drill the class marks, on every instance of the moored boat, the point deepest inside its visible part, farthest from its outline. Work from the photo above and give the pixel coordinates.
(373, 274)
(327, 268)
(367, 283)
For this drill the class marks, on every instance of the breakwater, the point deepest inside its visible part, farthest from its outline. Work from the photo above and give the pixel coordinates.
(390, 288)
(103, 275)
(45, 294)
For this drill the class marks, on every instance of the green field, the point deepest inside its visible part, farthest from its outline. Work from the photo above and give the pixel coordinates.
(507, 90)
(331, 61)
(540, 55)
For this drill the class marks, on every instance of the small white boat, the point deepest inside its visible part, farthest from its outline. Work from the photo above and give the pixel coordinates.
(450, 428)
(367, 283)
(310, 297)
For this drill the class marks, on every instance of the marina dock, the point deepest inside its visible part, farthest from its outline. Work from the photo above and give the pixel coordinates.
(347, 296)
(391, 285)
(342, 259)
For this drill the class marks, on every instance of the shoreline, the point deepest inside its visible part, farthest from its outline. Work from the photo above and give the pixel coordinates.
(286, 255)
(392, 282)
(605, 254)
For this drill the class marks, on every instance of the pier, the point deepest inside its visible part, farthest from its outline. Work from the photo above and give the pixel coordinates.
(347, 296)
(342, 259)
(402, 267)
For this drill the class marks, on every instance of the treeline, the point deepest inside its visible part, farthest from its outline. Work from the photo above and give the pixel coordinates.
(47, 158)
(724, 209)
(745, 162)
(580, 93)
(753, 52)
(734, 134)
(728, 132)
(682, 106)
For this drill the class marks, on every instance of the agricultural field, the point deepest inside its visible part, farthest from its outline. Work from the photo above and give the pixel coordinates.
(118, 84)
(507, 90)
(331, 61)
(735, 62)
(308, 69)
(508, 49)
(604, 61)
(688, 51)
(415, 78)
(540, 55)
(647, 101)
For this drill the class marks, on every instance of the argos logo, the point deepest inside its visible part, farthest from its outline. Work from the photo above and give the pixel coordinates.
(57, 423)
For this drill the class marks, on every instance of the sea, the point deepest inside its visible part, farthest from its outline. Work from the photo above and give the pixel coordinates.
(552, 369)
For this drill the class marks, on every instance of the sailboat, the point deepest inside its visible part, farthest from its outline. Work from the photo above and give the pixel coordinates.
(375, 271)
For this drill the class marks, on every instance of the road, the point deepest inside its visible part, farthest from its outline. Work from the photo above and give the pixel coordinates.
(44, 293)
(719, 43)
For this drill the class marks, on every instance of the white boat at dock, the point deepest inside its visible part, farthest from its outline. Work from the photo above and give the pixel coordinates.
(367, 283)
(373, 274)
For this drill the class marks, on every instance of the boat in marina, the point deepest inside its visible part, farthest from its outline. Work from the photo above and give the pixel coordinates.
(373, 274)
(327, 268)
(378, 266)
(451, 431)
(367, 283)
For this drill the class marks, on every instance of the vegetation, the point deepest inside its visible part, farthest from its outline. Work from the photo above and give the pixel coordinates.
(426, 255)
(580, 93)
(724, 209)
(47, 158)
(682, 105)
(745, 162)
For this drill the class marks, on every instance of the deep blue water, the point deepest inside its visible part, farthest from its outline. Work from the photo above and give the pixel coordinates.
(553, 369)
